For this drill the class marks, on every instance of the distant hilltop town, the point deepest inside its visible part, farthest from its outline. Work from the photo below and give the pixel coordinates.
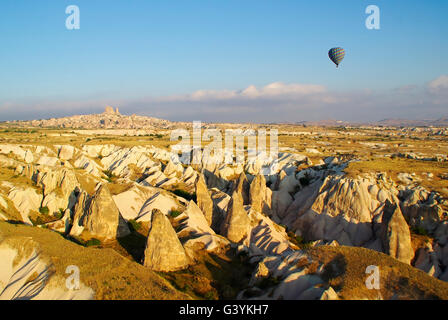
(109, 119)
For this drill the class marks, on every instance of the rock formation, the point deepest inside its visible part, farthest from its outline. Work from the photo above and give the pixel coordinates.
(163, 252)
(260, 196)
(242, 187)
(395, 234)
(204, 200)
(26, 201)
(110, 110)
(79, 213)
(193, 229)
(103, 218)
(338, 209)
(193, 222)
(237, 223)
(66, 152)
(257, 190)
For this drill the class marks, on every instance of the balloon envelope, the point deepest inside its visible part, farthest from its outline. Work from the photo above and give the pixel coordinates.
(336, 55)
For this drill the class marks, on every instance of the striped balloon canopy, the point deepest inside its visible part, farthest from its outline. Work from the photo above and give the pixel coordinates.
(336, 55)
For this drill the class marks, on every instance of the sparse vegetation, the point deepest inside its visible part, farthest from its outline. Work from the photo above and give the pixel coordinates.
(117, 188)
(44, 210)
(298, 240)
(344, 270)
(398, 165)
(174, 213)
(92, 242)
(110, 177)
(420, 231)
(134, 225)
(185, 194)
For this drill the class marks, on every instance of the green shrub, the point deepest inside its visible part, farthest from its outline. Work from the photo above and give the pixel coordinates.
(108, 173)
(37, 221)
(185, 194)
(298, 240)
(420, 231)
(110, 177)
(93, 242)
(134, 225)
(175, 213)
(59, 214)
(44, 210)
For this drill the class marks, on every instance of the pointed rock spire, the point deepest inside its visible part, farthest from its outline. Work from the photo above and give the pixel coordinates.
(237, 222)
(395, 234)
(103, 218)
(204, 200)
(243, 187)
(163, 252)
(257, 192)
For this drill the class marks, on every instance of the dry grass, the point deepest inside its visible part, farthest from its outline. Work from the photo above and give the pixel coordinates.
(104, 270)
(117, 188)
(345, 272)
(49, 137)
(395, 166)
(39, 219)
(419, 241)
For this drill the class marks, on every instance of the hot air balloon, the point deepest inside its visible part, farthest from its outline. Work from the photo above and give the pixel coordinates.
(336, 55)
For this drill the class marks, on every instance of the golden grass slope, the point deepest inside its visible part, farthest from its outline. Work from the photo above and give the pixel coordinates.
(345, 271)
(109, 274)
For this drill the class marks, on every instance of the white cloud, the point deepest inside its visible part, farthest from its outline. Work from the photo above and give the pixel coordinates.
(281, 89)
(212, 94)
(272, 90)
(439, 85)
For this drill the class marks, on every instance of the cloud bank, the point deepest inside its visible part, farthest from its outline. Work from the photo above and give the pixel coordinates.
(274, 102)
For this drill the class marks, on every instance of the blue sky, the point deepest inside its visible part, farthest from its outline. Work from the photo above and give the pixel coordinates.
(150, 57)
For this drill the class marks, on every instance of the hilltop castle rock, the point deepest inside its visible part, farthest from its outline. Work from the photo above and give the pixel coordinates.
(110, 110)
